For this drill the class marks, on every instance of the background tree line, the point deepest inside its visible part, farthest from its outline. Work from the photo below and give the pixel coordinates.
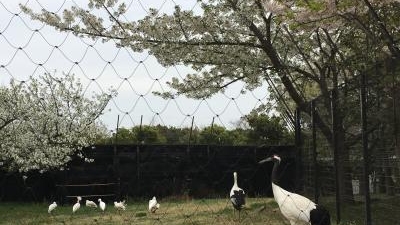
(253, 129)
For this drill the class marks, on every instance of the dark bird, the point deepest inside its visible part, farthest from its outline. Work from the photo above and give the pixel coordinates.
(237, 195)
(294, 207)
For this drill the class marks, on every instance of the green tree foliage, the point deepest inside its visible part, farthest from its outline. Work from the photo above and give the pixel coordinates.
(277, 134)
(147, 135)
(266, 130)
(174, 135)
(215, 135)
(124, 136)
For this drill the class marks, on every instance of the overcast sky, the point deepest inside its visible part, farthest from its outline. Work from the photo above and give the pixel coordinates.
(97, 75)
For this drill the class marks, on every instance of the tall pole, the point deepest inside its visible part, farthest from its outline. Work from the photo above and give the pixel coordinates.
(363, 101)
(334, 98)
(190, 134)
(299, 146)
(211, 133)
(314, 151)
(138, 154)
(116, 161)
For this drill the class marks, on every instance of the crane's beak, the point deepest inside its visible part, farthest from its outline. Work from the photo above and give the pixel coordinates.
(269, 159)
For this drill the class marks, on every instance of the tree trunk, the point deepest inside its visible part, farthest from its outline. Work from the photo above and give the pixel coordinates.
(344, 169)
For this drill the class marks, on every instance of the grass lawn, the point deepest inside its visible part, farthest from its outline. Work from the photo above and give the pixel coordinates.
(173, 212)
(205, 211)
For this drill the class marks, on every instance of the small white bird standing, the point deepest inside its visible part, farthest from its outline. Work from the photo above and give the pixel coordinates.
(77, 205)
(153, 205)
(120, 205)
(91, 204)
(237, 195)
(294, 207)
(52, 206)
(102, 205)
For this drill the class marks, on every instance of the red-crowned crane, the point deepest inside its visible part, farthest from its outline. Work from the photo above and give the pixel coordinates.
(294, 207)
(52, 206)
(237, 195)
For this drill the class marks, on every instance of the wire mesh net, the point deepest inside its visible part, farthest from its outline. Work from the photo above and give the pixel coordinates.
(324, 177)
(191, 185)
(30, 48)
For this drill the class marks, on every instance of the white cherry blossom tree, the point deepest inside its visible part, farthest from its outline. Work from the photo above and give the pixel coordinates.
(46, 120)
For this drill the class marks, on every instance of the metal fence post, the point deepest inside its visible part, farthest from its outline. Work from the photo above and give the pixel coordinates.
(190, 135)
(141, 142)
(334, 98)
(314, 151)
(363, 101)
(394, 102)
(116, 162)
(299, 162)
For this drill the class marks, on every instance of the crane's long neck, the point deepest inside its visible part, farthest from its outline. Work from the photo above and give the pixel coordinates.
(235, 179)
(274, 174)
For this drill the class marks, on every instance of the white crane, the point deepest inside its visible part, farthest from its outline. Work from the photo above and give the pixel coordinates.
(120, 205)
(294, 207)
(102, 205)
(237, 195)
(52, 206)
(153, 205)
(77, 205)
(91, 204)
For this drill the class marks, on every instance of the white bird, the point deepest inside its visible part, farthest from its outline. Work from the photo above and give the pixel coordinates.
(294, 207)
(237, 195)
(52, 206)
(77, 205)
(91, 204)
(153, 205)
(102, 205)
(120, 205)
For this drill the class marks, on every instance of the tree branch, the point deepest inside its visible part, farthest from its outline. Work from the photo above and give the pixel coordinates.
(115, 19)
(6, 122)
(266, 20)
(210, 43)
(303, 55)
(390, 41)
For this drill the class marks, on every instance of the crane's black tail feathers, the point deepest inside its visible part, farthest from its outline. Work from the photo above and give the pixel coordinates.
(320, 216)
(238, 199)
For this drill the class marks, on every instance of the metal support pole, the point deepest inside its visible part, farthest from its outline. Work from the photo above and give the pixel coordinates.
(190, 135)
(211, 133)
(314, 151)
(394, 103)
(116, 161)
(363, 101)
(138, 154)
(299, 146)
(334, 98)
